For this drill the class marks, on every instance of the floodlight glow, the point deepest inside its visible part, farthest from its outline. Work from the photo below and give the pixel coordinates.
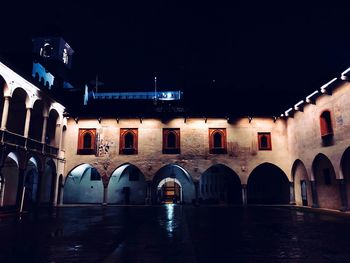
(324, 87)
(296, 106)
(346, 71)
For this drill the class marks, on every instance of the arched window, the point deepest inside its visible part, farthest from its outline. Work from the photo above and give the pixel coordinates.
(264, 141)
(171, 140)
(86, 141)
(326, 124)
(46, 50)
(217, 141)
(128, 141)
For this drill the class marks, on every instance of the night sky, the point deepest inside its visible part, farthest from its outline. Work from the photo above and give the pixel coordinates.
(264, 57)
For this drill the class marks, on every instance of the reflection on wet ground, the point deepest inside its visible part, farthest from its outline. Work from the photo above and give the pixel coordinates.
(173, 233)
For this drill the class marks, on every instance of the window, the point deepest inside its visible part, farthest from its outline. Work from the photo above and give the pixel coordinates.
(326, 124)
(46, 50)
(264, 140)
(217, 141)
(171, 141)
(128, 141)
(87, 141)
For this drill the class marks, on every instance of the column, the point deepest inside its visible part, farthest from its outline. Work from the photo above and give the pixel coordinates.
(53, 196)
(343, 195)
(43, 134)
(244, 194)
(5, 112)
(149, 193)
(27, 124)
(314, 194)
(105, 193)
(20, 188)
(291, 193)
(2, 188)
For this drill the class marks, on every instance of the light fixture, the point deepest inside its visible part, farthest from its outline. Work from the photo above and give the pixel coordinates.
(250, 119)
(311, 97)
(324, 88)
(299, 106)
(287, 112)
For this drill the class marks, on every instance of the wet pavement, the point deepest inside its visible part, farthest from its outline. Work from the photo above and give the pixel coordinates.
(172, 233)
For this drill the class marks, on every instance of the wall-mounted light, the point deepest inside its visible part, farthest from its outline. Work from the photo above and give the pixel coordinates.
(76, 120)
(343, 74)
(274, 118)
(140, 120)
(311, 98)
(325, 87)
(117, 119)
(99, 120)
(185, 119)
(205, 119)
(288, 112)
(250, 118)
(299, 106)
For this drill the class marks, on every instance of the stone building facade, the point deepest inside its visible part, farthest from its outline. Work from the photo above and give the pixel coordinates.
(47, 157)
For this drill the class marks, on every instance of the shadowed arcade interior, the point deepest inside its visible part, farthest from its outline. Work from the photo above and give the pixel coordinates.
(127, 185)
(302, 185)
(268, 184)
(83, 185)
(220, 184)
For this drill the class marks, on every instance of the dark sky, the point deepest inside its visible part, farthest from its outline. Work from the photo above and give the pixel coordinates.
(264, 57)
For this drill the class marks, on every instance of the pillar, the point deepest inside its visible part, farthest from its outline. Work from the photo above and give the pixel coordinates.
(291, 193)
(54, 191)
(148, 200)
(314, 194)
(343, 195)
(105, 194)
(5, 112)
(20, 188)
(244, 194)
(43, 134)
(27, 123)
(2, 188)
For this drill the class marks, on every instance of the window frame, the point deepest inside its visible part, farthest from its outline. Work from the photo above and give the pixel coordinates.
(122, 149)
(326, 125)
(171, 150)
(81, 134)
(269, 144)
(218, 150)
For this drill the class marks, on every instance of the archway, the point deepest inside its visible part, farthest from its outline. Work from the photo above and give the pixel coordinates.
(17, 111)
(268, 184)
(302, 187)
(183, 179)
(31, 179)
(51, 128)
(220, 184)
(83, 185)
(2, 87)
(10, 173)
(127, 185)
(36, 121)
(327, 187)
(345, 167)
(47, 182)
(170, 191)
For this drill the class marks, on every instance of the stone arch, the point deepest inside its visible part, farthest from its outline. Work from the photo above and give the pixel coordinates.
(31, 182)
(327, 186)
(268, 184)
(127, 185)
(302, 186)
(220, 184)
(83, 185)
(48, 182)
(178, 172)
(10, 173)
(36, 120)
(345, 170)
(51, 128)
(17, 111)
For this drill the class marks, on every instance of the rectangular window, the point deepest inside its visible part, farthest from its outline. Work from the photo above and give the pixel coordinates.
(86, 141)
(217, 141)
(128, 143)
(264, 141)
(171, 140)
